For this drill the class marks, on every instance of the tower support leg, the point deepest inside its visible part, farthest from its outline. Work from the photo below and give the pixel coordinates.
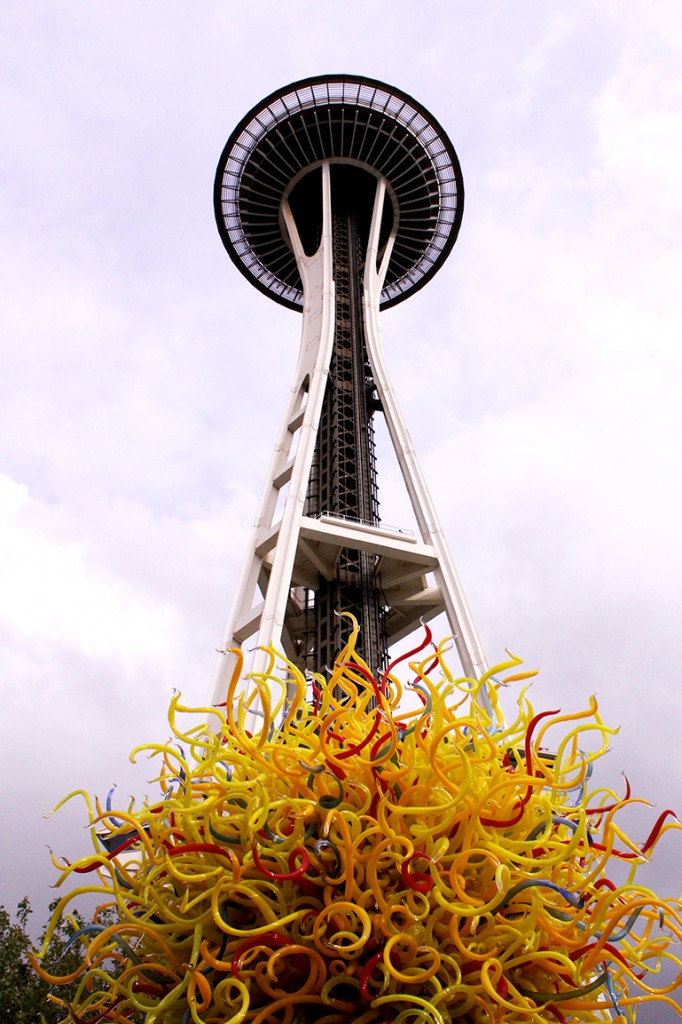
(269, 566)
(454, 602)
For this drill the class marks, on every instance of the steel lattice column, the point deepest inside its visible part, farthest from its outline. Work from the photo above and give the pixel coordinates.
(344, 476)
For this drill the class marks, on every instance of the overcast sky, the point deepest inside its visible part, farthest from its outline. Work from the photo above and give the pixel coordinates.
(143, 379)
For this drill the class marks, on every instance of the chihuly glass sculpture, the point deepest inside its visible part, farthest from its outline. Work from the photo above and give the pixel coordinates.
(371, 853)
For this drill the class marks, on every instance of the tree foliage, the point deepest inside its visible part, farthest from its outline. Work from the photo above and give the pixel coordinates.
(23, 995)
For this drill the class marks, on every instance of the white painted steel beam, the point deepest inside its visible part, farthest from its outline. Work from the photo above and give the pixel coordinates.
(302, 417)
(459, 616)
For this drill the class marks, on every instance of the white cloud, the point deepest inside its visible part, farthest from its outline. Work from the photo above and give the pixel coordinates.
(52, 591)
(640, 118)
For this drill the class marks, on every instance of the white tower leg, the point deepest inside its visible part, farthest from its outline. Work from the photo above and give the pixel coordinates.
(269, 565)
(448, 595)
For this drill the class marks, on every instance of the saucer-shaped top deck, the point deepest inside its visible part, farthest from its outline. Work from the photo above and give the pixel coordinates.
(351, 121)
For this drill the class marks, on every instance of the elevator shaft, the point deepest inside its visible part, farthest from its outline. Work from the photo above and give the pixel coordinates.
(343, 480)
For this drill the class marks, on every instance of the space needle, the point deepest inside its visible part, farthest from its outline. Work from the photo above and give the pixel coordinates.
(339, 196)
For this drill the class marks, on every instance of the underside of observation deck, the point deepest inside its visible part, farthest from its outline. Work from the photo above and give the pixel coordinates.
(343, 119)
